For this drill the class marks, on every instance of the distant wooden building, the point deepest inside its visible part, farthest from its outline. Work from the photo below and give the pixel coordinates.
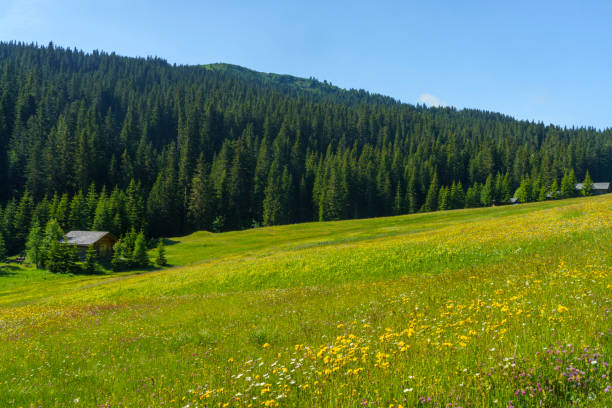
(102, 241)
(598, 188)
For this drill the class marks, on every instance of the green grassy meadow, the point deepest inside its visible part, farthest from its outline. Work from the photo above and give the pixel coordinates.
(504, 307)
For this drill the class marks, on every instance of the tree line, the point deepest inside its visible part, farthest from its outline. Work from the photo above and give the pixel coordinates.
(99, 141)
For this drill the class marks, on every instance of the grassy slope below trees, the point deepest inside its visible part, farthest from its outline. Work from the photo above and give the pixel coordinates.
(475, 307)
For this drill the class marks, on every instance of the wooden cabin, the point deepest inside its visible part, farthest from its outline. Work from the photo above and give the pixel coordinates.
(598, 188)
(102, 241)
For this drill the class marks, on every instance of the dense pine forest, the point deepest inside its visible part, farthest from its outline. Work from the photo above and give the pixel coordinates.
(99, 141)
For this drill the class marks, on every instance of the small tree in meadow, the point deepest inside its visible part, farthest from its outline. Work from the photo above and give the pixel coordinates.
(139, 256)
(89, 267)
(161, 254)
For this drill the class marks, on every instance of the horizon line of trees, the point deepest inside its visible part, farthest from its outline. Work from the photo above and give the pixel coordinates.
(123, 212)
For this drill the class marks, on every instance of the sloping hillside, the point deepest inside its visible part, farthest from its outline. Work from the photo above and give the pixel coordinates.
(504, 306)
(105, 142)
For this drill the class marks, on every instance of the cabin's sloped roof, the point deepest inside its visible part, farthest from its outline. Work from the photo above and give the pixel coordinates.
(84, 237)
(596, 186)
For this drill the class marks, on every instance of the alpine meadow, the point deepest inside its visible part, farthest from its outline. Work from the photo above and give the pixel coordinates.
(212, 236)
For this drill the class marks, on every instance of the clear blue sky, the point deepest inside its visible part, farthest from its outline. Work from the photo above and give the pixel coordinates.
(547, 61)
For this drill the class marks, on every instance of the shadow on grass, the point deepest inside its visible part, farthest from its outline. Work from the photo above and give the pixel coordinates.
(8, 270)
(170, 242)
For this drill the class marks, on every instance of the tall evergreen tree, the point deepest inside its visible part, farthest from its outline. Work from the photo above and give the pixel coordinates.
(34, 247)
(160, 258)
(89, 266)
(431, 201)
(443, 198)
(587, 185)
(140, 257)
(568, 184)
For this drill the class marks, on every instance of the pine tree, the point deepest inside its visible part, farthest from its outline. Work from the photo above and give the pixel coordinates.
(272, 205)
(523, 193)
(431, 201)
(61, 258)
(22, 219)
(333, 202)
(62, 211)
(50, 243)
(554, 190)
(161, 254)
(78, 218)
(568, 185)
(542, 194)
(456, 196)
(34, 246)
(89, 267)
(103, 218)
(116, 261)
(587, 185)
(443, 198)
(139, 257)
(411, 195)
(506, 189)
(487, 192)
(200, 206)
(91, 202)
(472, 196)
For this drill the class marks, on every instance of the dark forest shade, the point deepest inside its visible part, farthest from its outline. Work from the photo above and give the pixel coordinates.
(115, 143)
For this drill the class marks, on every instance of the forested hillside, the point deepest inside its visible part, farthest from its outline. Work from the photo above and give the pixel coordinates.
(113, 143)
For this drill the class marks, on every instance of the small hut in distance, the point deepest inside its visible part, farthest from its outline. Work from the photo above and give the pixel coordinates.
(102, 241)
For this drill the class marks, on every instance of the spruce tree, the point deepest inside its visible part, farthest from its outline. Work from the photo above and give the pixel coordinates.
(568, 185)
(523, 193)
(457, 196)
(50, 243)
(160, 258)
(411, 195)
(443, 198)
(487, 192)
(506, 189)
(116, 260)
(472, 196)
(61, 258)
(200, 206)
(587, 185)
(34, 247)
(89, 267)
(431, 201)
(542, 194)
(272, 204)
(139, 257)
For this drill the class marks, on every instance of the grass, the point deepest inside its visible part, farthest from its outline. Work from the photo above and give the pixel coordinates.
(506, 306)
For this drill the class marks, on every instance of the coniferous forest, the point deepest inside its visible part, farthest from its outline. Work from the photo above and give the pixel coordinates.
(99, 141)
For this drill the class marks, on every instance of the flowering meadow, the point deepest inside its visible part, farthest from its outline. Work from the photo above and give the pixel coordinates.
(500, 307)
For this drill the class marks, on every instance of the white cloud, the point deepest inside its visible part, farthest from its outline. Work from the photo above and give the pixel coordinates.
(431, 100)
